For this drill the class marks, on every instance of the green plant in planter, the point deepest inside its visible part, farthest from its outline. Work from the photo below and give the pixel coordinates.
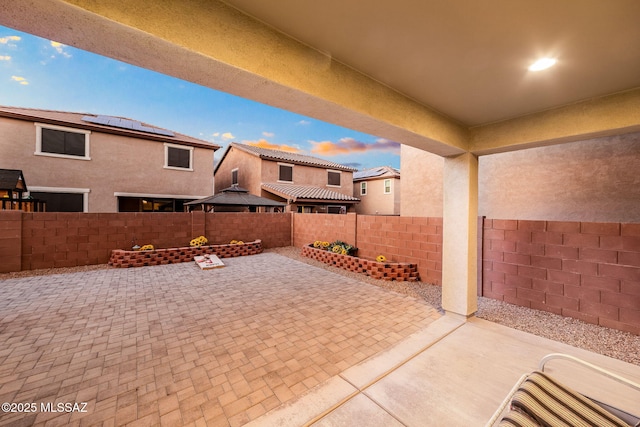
(340, 247)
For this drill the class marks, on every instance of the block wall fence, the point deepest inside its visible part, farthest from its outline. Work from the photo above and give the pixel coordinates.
(30, 241)
(415, 240)
(586, 270)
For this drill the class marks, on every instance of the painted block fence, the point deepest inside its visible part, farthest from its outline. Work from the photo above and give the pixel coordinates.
(414, 240)
(30, 241)
(588, 271)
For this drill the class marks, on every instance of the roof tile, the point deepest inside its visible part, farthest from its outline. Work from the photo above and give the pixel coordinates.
(306, 192)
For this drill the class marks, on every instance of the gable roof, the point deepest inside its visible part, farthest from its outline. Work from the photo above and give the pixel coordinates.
(284, 156)
(105, 124)
(374, 173)
(300, 193)
(12, 180)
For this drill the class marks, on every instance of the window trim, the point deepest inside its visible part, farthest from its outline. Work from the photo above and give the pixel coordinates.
(363, 188)
(84, 191)
(237, 180)
(334, 171)
(168, 145)
(87, 142)
(384, 186)
(289, 165)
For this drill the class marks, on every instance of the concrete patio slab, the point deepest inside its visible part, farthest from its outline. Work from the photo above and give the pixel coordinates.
(358, 408)
(461, 378)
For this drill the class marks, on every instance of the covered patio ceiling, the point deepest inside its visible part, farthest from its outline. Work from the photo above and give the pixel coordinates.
(467, 59)
(446, 76)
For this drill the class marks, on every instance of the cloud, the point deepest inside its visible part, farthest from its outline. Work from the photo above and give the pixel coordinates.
(350, 146)
(8, 39)
(303, 123)
(60, 48)
(5, 58)
(227, 136)
(20, 80)
(263, 143)
(268, 134)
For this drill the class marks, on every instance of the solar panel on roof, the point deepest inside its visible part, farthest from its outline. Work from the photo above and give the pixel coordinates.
(121, 123)
(368, 173)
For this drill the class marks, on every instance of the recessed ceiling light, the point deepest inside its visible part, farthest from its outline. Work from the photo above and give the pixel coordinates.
(542, 64)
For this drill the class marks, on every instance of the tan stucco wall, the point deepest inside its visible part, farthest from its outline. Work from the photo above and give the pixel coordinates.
(421, 193)
(376, 202)
(308, 175)
(249, 171)
(593, 180)
(606, 116)
(118, 164)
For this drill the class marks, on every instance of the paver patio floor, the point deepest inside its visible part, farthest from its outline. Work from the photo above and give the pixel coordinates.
(175, 345)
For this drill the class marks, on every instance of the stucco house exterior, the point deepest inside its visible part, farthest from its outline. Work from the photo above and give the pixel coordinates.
(90, 163)
(306, 184)
(594, 179)
(378, 190)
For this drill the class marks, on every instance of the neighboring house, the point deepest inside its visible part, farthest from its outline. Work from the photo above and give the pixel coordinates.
(306, 184)
(379, 191)
(86, 163)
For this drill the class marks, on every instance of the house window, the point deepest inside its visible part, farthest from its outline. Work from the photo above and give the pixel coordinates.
(62, 199)
(150, 204)
(58, 141)
(333, 178)
(363, 188)
(305, 209)
(285, 172)
(178, 157)
(387, 186)
(234, 176)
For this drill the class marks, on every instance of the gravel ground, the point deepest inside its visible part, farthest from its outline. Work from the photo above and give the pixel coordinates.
(609, 342)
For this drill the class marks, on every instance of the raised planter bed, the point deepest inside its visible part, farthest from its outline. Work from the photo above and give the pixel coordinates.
(122, 258)
(400, 271)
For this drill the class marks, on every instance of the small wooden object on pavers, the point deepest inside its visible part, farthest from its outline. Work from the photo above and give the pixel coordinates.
(207, 262)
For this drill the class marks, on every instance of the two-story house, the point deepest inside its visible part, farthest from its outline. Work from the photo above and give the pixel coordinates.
(91, 163)
(306, 184)
(379, 191)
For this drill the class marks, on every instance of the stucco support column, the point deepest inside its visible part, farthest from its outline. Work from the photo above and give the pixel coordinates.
(460, 228)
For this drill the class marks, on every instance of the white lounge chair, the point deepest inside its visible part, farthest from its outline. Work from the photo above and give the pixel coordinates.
(538, 399)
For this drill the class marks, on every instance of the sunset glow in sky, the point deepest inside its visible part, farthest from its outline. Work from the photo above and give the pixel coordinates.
(45, 74)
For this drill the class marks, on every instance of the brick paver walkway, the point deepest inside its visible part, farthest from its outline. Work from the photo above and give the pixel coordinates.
(175, 345)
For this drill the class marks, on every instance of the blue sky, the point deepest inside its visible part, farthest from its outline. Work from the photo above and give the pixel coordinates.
(39, 73)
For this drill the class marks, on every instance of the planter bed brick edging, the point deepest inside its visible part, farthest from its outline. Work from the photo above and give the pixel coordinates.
(122, 258)
(399, 271)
